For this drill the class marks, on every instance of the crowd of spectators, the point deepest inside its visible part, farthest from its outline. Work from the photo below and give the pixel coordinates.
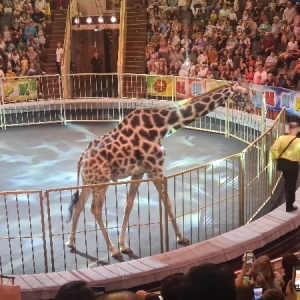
(22, 37)
(224, 39)
(256, 280)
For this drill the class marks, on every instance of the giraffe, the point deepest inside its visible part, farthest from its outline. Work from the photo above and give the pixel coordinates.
(134, 148)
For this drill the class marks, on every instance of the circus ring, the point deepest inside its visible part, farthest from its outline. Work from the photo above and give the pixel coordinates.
(238, 193)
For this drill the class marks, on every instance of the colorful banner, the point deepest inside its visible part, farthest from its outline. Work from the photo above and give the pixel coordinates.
(192, 87)
(160, 86)
(277, 97)
(19, 89)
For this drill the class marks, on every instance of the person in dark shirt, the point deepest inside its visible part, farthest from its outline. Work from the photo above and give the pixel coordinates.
(38, 17)
(96, 63)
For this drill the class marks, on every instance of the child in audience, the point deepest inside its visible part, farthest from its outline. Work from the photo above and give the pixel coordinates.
(41, 37)
(24, 65)
(6, 34)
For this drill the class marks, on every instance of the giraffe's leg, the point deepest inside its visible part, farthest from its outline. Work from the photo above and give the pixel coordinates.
(96, 209)
(128, 208)
(83, 197)
(168, 205)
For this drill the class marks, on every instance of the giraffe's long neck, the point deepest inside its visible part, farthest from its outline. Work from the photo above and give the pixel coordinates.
(187, 111)
(155, 123)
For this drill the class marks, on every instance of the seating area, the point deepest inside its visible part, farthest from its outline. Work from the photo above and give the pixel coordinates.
(24, 34)
(218, 39)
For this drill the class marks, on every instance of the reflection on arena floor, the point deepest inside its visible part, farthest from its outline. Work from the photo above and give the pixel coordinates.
(42, 157)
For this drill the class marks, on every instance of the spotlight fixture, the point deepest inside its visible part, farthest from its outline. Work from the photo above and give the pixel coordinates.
(100, 19)
(113, 19)
(77, 20)
(89, 20)
(97, 28)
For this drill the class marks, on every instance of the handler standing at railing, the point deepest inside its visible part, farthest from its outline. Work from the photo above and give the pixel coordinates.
(287, 148)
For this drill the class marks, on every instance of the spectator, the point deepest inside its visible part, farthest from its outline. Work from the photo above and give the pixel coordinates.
(271, 63)
(210, 281)
(260, 75)
(29, 30)
(41, 5)
(276, 26)
(175, 69)
(162, 67)
(226, 73)
(78, 290)
(164, 28)
(212, 56)
(264, 27)
(59, 57)
(249, 74)
(251, 29)
(289, 261)
(289, 13)
(268, 43)
(38, 17)
(24, 66)
(171, 285)
(292, 52)
(283, 80)
(285, 31)
(118, 295)
(202, 71)
(32, 42)
(10, 73)
(270, 80)
(273, 294)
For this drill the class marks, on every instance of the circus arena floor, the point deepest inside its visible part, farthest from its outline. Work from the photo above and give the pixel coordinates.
(45, 156)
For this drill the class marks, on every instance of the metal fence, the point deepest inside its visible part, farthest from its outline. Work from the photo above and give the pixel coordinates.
(207, 201)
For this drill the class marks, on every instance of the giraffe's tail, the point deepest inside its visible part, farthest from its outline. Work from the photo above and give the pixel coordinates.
(74, 200)
(75, 196)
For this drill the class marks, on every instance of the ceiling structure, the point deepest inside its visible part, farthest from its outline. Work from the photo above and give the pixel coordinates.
(98, 7)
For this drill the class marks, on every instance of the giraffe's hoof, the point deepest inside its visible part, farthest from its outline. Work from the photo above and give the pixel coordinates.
(183, 241)
(125, 249)
(116, 254)
(70, 244)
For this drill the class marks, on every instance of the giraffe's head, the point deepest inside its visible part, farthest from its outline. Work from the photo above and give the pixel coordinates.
(242, 96)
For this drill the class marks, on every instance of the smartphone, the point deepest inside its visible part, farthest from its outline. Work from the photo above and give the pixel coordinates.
(246, 279)
(296, 278)
(258, 292)
(249, 256)
(99, 290)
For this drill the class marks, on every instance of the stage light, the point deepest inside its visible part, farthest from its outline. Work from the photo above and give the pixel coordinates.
(97, 28)
(89, 20)
(113, 19)
(100, 19)
(76, 20)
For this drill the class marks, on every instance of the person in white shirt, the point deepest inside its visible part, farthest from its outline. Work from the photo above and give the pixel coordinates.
(41, 5)
(289, 13)
(59, 57)
(260, 76)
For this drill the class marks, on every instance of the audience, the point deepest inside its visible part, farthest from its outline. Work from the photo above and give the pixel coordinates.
(226, 29)
(75, 290)
(23, 37)
(256, 280)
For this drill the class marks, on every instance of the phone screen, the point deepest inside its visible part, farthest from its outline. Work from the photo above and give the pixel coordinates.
(246, 279)
(249, 258)
(258, 292)
(296, 278)
(99, 290)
